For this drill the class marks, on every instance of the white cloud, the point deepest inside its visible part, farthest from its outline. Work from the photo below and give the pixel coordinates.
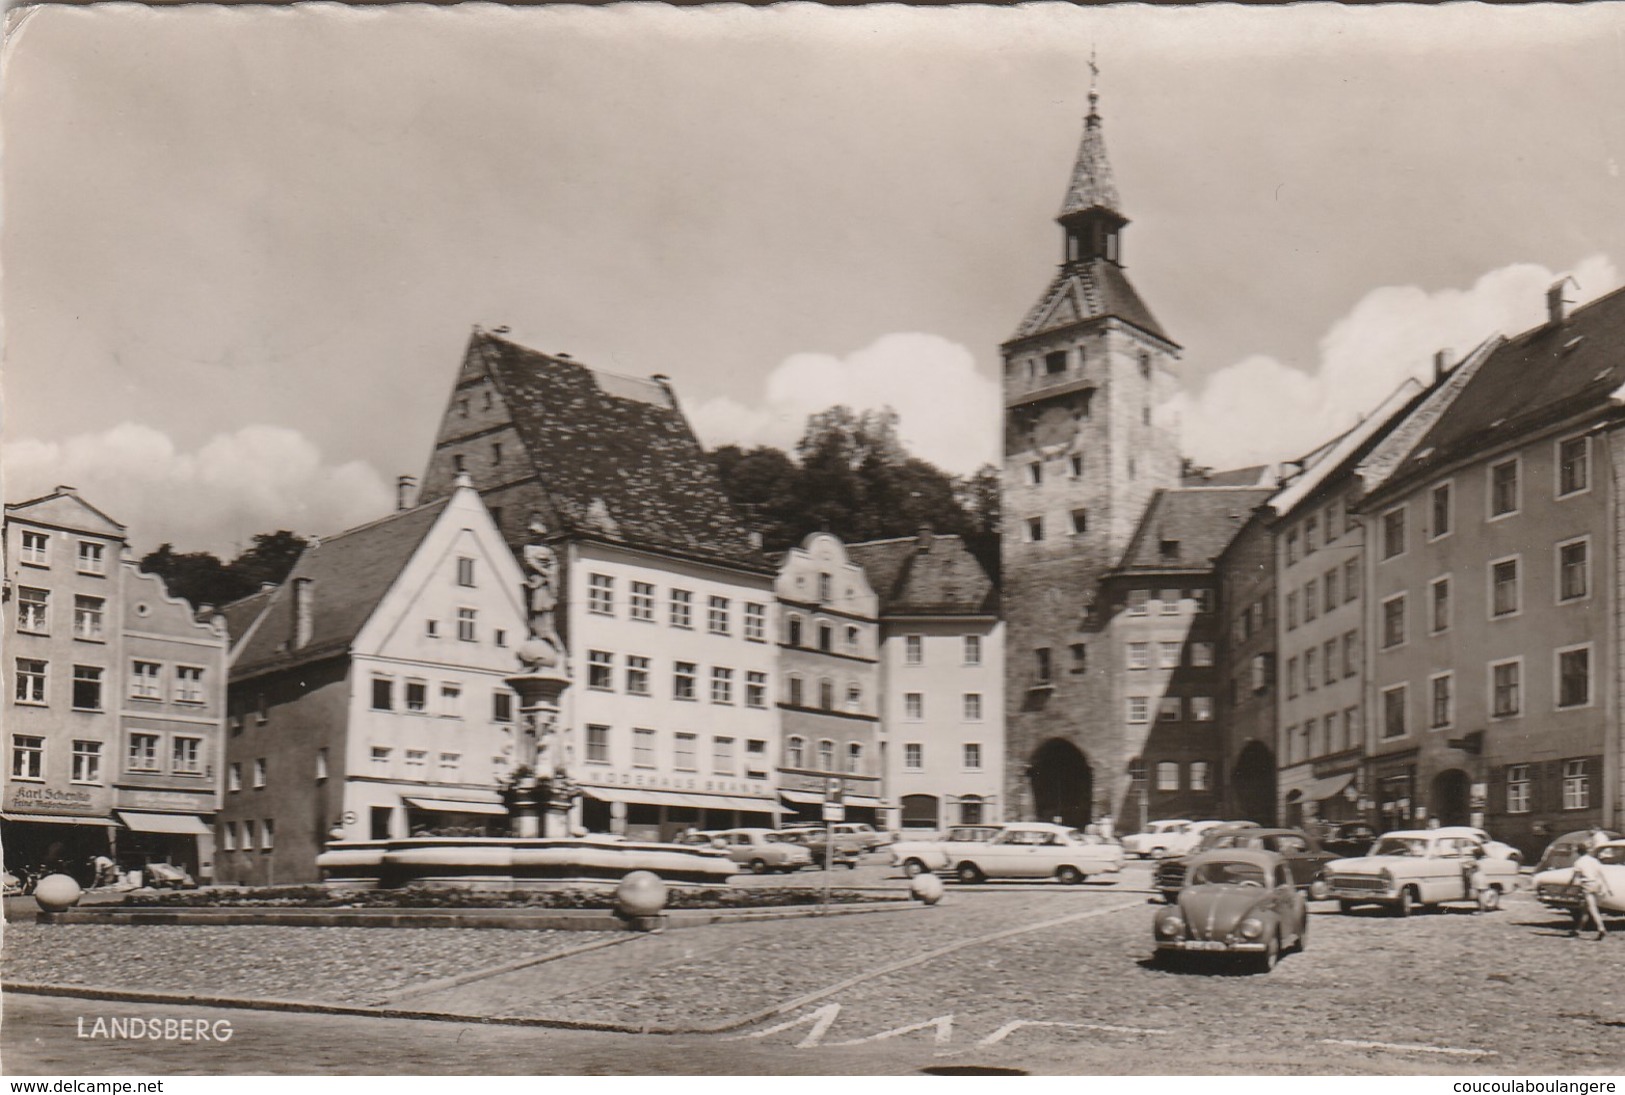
(1259, 409)
(948, 412)
(256, 479)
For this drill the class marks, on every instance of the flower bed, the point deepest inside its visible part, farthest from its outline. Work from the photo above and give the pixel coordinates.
(318, 897)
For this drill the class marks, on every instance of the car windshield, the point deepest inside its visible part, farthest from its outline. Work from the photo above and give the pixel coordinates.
(968, 835)
(1613, 857)
(772, 838)
(1232, 873)
(1401, 845)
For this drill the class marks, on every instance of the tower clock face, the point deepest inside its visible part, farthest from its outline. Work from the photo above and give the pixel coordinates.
(1059, 422)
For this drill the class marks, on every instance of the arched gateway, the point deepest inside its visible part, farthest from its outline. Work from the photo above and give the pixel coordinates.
(1063, 783)
(1252, 784)
(1452, 797)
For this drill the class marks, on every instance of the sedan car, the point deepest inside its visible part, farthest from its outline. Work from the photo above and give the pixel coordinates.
(1157, 837)
(1303, 855)
(1235, 901)
(758, 850)
(935, 854)
(1563, 851)
(845, 852)
(1557, 889)
(1417, 867)
(1037, 850)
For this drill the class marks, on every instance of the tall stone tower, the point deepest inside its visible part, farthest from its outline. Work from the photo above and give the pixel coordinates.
(1085, 446)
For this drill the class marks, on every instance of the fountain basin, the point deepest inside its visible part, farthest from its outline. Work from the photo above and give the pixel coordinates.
(512, 863)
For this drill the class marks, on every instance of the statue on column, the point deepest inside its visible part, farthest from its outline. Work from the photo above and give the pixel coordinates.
(543, 649)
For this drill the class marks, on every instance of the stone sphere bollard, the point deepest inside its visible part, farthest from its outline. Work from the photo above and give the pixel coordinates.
(926, 888)
(639, 899)
(56, 892)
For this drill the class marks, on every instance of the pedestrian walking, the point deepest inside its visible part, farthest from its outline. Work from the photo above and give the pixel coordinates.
(1588, 876)
(1472, 877)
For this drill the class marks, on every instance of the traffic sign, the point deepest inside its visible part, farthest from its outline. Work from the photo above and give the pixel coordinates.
(834, 789)
(834, 811)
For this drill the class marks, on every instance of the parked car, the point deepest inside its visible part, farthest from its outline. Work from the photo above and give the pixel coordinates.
(1491, 845)
(846, 850)
(1235, 901)
(1419, 867)
(1303, 855)
(758, 850)
(860, 833)
(1556, 888)
(1348, 839)
(937, 852)
(1037, 850)
(1176, 841)
(1563, 851)
(1156, 837)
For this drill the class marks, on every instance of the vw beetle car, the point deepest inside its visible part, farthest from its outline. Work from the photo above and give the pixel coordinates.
(1418, 867)
(1304, 857)
(1037, 850)
(1235, 901)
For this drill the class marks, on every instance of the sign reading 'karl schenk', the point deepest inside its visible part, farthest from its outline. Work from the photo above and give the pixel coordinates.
(45, 798)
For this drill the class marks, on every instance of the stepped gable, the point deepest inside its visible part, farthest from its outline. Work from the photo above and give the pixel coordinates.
(616, 457)
(1187, 528)
(350, 574)
(926, 575)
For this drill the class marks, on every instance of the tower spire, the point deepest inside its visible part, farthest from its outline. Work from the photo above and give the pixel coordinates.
(1092, 185)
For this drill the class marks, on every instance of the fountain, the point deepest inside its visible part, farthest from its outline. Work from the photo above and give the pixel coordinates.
(540, 793)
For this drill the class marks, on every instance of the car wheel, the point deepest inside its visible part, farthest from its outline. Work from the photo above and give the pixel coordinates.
(1320, 890)
(1271, 955)
(758, 866)
(913, 867)
(1170, 897)
(1489, 899)
(969, 874)
(1406, 903)
(1069, 876)
(1345, 907)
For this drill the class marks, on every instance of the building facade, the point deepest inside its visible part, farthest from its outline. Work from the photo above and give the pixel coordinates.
(829, 682)
(1087, 444)
(1248, 671)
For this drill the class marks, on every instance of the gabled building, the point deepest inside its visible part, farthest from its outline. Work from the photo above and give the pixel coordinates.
(367, 696)
(942, 682)
(666, 602)
(1247, 672)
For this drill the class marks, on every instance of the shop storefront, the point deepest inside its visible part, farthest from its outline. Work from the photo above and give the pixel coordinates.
(639, 814)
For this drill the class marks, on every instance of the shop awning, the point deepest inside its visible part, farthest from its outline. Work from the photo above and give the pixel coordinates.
(1322, 789)
(457, 806)
(677, 798)
(802, 798)
(57, 819)
(174, 824)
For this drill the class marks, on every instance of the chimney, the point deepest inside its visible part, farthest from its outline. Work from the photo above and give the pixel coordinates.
(1555, 302)
(304, 615)
(463, 479)
(922, 543)
(403, 493)
(1442, 364)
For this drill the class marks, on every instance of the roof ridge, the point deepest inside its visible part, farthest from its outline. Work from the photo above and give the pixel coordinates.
(323, 541)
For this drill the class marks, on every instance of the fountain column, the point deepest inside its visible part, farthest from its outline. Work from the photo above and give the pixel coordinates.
(544, 790)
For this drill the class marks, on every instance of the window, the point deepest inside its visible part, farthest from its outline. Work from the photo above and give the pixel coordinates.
(1576, 785)
(1168, 655)
(1573, 570)
(259, 769)
(1518, 787)
(27, 756)
(826, 637)
(601, 594)
(380, 758)
(1329, 584)
(1573, 466)
(1201, 654)
(234, 771)
(1201, 708)
(600, 670)
(92, 558)
(722, 685)
(1351, 727)
(144, 683)
(795, 752)
(637, 675)
(1504, 488)
(417, 696)
(973, 650)
(1080, 657)
(33, 610)
(186, 756)
(465, 571)
(971, 810)
(1035, 473)
(1574, 676)
(450, 765)
(87, 617)
(1167, 775)
(755, 758)
(852, 636)
(1351, 653)
(499, 637)
(1393, 532)
(1139, 709)
(36, 546)
(854, 698)
(249, 839)
(684, 676)
(451, 699)
(1291, 610)
(826, 755)
(1138, 601)
(1292, 678)
(973, 706)
(683, 751)
(913, 706)
(188, 684)
(1311, 600)
(1170, 599)
(1331, 521)
(1393, 620)
(1440, 509)
(228, 836)
(1291, 547)
(642, 602)
(501, 705)
(826, 588)
(793, 631)
(717, 616)
(1261, 672)
(1439, 605)
(1080, 522)
(973, 756)
(1504, 595)
(1075, 463)
(795, 687)
(1393, 711)
(597, 744)
(1198, 768)
(87, 688)
(1505, 681)
(682, 608)
(913, 650)
(854, 758)
(1042, 666)
(913, 756)
(756, 623)
(30, 680)
(1351, 580)
(1329, 660)
(1139, 655)
(321, 763)
(1443, 700)
(643, 748)
(465, 624)
(1311, 536)
(1310, 683)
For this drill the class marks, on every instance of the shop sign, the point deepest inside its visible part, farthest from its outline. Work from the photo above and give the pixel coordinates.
(165, 800)
(42, 798)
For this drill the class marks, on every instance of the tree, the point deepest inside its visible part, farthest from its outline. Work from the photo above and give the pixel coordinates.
(271, 557)
(202, 579)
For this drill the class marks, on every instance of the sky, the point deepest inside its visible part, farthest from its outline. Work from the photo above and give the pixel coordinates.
(243, 248)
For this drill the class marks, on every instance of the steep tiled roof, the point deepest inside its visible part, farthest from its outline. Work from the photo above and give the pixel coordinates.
(1259, 475)
(1343, 451)
(1530, 380)
(241, 614)
(1089, 291)
(616, 456)
(1092, 185)
(926, 575)
(1187, 528)
(349, 573)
